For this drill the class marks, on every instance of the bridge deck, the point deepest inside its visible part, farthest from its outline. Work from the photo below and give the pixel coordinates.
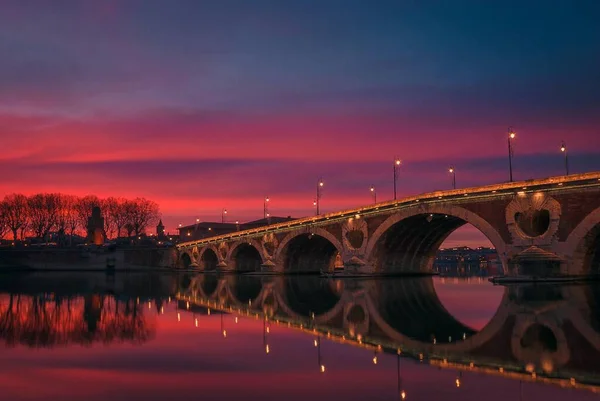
(557, 183)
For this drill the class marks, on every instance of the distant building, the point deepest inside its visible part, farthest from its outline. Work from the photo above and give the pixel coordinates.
(95, 227)
(467, 261)
(160, 230)
(206, 229)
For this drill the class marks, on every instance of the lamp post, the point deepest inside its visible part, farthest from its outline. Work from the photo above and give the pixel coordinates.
(374, 194)
(397, 163)
(563, 148)
(319, 190)
(266, 207)
(452, 171)
(511, 137)
(223, 214)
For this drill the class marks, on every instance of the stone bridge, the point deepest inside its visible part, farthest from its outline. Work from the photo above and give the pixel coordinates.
(536, 330)
(548, 226)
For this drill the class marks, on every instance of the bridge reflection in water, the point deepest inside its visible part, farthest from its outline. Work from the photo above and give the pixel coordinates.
(174, 334)
(539, 333)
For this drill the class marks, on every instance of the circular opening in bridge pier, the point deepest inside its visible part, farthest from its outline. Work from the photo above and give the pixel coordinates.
(309, 253)
(209, 260)
(247, 258)
(533, 223)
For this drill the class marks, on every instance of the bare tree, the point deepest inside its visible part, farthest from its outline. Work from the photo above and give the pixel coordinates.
(68, 218)
(143, 213)
(120, 216)
(3, 221)
(43, 211)
(110, 211)
(16, 211)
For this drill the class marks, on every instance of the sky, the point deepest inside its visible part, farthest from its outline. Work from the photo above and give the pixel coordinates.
(204, 105)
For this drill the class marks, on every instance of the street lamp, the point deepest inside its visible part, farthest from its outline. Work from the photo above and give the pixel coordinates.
(266, 207)
(563, 148)
(223, 214)
(397, 163)
(452, 171)
(511, 137)
(374, 194)
(320, 185)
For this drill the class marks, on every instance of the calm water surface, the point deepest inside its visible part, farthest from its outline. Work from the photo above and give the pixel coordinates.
(185, 337)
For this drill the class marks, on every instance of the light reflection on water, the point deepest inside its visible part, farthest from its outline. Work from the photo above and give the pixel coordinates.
(128, 340)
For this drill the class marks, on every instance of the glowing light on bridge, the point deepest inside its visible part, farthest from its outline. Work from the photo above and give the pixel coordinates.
(266, 207)
(322, 368)
(511, 136)
(397, 163)
(452, 171)
(563, 149)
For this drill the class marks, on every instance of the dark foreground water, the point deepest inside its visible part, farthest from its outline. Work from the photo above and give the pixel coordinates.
(185, 337)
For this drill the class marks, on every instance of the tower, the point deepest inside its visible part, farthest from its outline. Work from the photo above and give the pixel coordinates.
(95, 227)
(160, 230)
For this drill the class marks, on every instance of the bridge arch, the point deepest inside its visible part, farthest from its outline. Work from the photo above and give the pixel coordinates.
(410, 238)
(208, 258)
(246, 255)
(186, 259)
(311, 250)
(582, 247)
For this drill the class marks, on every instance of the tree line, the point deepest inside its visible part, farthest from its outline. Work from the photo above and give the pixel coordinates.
(43, 213)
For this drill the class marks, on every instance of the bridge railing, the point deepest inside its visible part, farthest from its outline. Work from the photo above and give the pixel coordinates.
(494, 190)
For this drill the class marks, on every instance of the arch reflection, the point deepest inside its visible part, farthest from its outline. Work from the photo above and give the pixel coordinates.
(537, 332)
